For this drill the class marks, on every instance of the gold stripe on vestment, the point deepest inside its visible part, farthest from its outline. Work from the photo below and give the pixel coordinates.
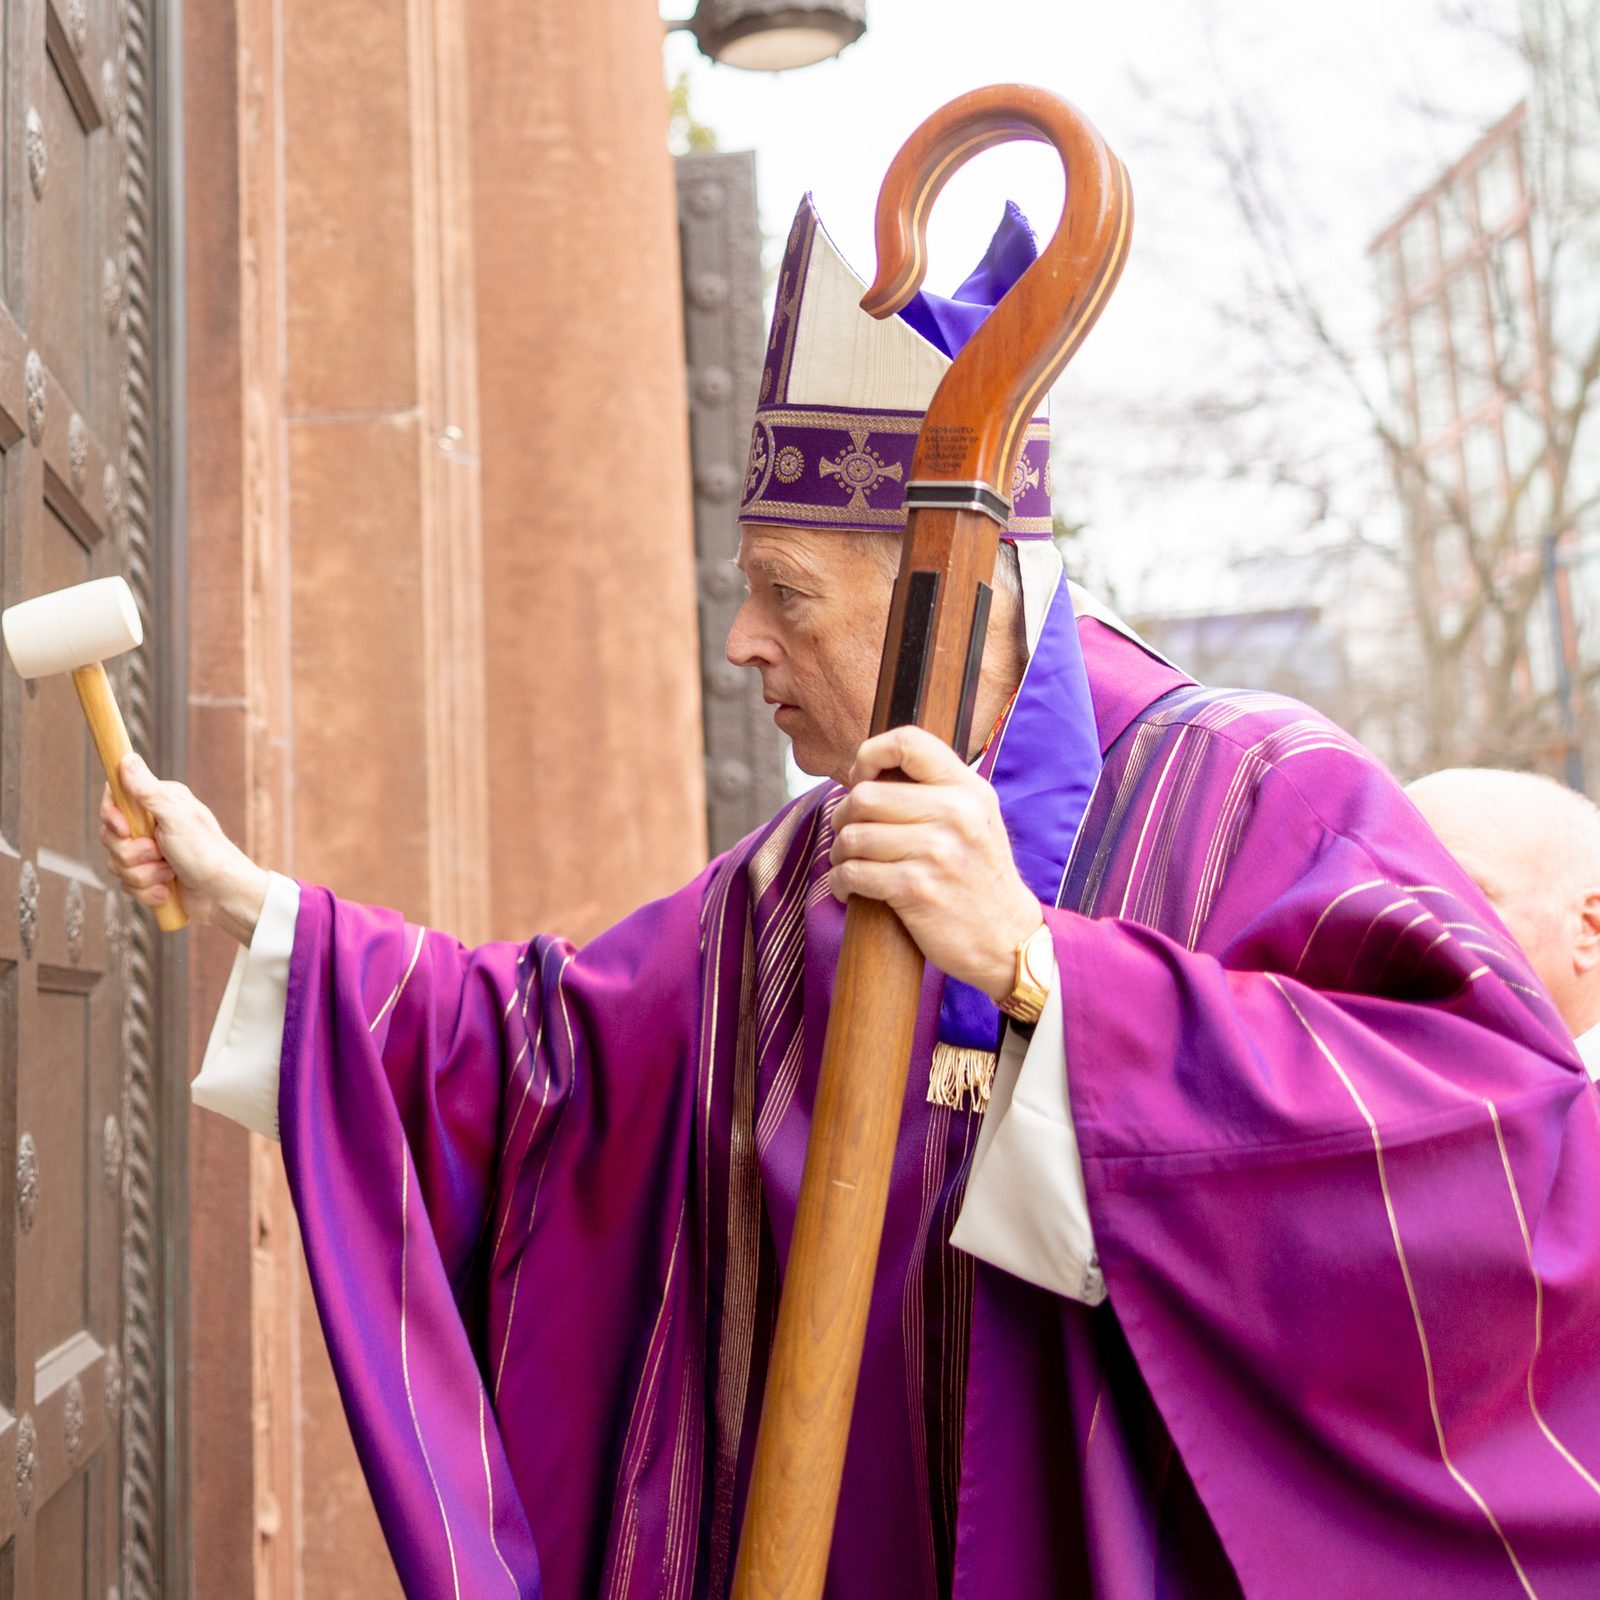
(1538, 1307)
(960, 1275)
(1224, 842)
(405, 1351)
(633, 1451)
(1430, 947)
(488, 1483)
(780, 964)
(531, 1052)
(1094, 1418)
(405, 1243)
(780, 1095)
(1171, 831)
(1505, 955)
(913, 1327)
(683, 1496)
(1328, 910)
(538, 1182)
(1361, 945)
(505, 1216)
(1422, 916)
(399, 988)
(713, 915)
(1253, 762)
(741, 1275)
(1182, 772)
(1145, 742)
(1144, 828)
(1411, 1289)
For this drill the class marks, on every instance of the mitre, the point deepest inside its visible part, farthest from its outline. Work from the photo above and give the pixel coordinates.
(842, 394)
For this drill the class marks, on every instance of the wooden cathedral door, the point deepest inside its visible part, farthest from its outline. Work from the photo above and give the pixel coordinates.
(83, 1292)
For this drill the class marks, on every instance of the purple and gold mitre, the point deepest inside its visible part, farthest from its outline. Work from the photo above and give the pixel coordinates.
(843, 394)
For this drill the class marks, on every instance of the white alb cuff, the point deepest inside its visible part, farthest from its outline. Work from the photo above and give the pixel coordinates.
(239, 1074)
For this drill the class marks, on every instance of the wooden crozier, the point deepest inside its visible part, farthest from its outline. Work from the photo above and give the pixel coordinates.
(957, 501)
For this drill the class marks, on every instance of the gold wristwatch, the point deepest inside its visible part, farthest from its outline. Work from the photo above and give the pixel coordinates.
(1028, 994)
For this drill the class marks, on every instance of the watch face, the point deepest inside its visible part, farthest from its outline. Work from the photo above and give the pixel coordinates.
(1035, 965)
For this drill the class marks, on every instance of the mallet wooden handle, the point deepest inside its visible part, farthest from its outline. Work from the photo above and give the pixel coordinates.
(111, 740)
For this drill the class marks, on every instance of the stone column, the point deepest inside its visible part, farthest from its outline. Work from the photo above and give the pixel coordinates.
(442, 566)
(596, 796)
(379, 598)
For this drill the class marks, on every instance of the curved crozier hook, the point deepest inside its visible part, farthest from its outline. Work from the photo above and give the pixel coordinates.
(976, 419)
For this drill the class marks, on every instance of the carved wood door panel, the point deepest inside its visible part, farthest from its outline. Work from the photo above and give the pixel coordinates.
(75, 1227)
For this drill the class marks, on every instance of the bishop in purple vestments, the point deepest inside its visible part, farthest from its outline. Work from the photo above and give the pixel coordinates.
(1341, 1166)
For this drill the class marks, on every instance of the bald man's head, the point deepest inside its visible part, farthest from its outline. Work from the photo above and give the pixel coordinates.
(1533, 846)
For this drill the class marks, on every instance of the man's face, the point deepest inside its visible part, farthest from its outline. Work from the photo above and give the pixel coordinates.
(813, 627)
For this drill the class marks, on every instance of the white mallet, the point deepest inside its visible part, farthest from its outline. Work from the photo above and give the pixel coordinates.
(75, 630)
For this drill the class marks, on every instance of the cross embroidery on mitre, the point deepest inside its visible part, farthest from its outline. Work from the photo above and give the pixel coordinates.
(757, 465)
(1023, 476)
(860, 469)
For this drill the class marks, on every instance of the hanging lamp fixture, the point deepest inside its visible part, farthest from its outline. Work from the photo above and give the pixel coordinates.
(775, 35)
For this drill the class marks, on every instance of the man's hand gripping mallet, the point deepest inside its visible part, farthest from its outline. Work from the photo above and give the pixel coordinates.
(76, 630)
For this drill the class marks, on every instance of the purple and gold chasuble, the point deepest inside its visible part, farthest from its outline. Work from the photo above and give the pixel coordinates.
(1342, 1163)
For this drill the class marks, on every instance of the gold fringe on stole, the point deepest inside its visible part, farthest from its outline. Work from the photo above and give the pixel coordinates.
(960, 1072)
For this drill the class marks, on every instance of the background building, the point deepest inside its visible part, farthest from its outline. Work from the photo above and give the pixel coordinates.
(1491, 331)
(1467, 349)
(1431, 496)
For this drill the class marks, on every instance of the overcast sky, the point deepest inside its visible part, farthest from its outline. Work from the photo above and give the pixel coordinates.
(1361, 105)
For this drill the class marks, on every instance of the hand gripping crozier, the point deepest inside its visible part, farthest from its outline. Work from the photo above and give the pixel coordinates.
(76, 630)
